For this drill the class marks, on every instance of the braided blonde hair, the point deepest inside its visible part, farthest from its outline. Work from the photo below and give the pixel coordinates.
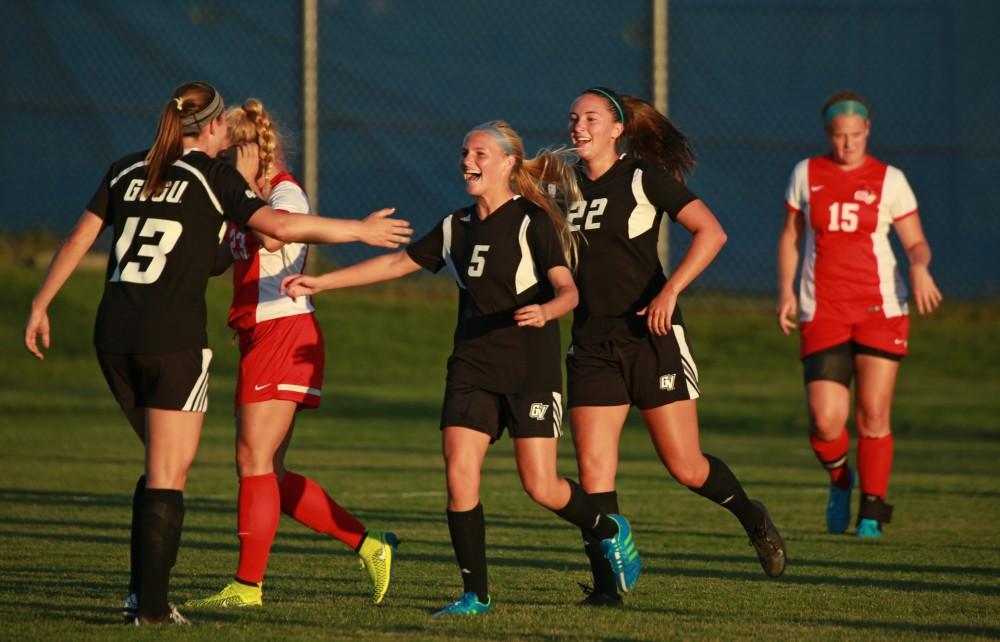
(250, 123)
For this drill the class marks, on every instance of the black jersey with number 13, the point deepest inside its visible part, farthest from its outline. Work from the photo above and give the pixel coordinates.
(623, 262)
(499, 264)
(163, 250)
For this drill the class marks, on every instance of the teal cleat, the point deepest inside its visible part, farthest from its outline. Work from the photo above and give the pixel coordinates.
(468, 604)
(620, 551)
(869, 529)
(838, 508)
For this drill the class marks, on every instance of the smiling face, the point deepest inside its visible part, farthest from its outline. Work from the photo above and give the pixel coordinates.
(485, 165)
(593, 128)
(848, 136)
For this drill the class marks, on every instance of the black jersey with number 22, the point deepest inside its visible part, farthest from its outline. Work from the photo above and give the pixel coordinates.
(163, 249)
(623, 261)
(500, 264)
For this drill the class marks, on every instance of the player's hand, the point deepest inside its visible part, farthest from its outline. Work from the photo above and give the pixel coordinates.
(248, 163)
(38, 324)
(300, 285)
(659, 312)
(381, 231)
(925, 292)
(787, 311)
(531, 315)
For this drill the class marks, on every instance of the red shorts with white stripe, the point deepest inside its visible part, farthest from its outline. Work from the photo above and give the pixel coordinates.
(281, 359)
(867, 326)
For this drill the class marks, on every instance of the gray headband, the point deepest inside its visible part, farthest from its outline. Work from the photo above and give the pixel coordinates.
(193, 123)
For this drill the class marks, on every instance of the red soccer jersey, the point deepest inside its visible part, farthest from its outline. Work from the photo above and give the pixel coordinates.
(257, 273)
(848, 260)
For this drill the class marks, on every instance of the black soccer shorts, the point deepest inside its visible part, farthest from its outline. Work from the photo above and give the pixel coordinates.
(174, 381)
(646, 372)
(523, 414)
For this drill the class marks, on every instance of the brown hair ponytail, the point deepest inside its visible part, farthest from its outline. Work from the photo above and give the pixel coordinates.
(193, 106)
(654, 138)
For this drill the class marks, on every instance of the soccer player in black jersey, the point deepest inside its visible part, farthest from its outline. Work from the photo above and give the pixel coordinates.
(509, 254)
(167, 209)
(629, 344)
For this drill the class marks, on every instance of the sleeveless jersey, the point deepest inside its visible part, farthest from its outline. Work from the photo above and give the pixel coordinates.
(500, 264)
(847, 259)
(623, 261)
(257, 273)
(163, 250)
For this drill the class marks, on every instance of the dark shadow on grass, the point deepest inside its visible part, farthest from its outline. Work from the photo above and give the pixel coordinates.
(792, 578)
(862, 565)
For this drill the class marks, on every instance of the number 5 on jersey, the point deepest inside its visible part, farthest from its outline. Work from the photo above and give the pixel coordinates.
(132, 271)
(478, 261)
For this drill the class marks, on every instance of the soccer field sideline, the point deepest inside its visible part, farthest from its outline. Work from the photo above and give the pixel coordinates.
(65, 485)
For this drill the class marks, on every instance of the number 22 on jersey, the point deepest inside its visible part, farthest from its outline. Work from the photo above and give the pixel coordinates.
(132, 271)
(590, 222)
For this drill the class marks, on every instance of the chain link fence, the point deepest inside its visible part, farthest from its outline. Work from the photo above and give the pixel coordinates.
(400, 83)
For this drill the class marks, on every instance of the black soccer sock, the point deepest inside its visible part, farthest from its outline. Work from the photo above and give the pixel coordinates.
(582, 511)
(468, 538)
(134, 565)
(600, 568)
(724, 489)
(162, 516)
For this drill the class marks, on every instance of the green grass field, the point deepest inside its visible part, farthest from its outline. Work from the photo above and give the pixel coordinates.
(68, 463)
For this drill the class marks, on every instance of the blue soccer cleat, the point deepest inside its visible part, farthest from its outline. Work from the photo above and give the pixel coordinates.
(621, 553)
(838, 508)
(869, 529)
(468, 604)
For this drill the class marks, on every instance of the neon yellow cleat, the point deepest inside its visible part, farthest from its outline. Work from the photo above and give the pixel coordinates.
(376, 553)
(234, 595)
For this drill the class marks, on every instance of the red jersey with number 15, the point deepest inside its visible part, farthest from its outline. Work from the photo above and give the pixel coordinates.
(847, 259)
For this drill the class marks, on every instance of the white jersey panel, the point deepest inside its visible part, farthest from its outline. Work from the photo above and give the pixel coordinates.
(527, 274)
(897, 202)
(807, 281)
(797, 194)
(641, 218)
(287, 261)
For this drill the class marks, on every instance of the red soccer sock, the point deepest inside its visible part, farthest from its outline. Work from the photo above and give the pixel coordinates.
(259, 510)
(306, 502)
(833, 456)
(875, 464)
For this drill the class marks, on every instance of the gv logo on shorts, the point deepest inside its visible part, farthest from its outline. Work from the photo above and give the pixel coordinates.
(538, 410)
(667, 381)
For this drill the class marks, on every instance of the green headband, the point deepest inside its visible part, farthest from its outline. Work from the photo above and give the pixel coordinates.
(844, 108)
(612, 96)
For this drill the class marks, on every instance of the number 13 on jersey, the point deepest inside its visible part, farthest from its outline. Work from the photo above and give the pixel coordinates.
(156, 251)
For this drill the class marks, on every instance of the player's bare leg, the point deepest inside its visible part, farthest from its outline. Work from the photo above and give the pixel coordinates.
(674, 431)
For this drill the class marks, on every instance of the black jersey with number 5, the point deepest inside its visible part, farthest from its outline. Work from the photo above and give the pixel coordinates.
(500, 264)
(163, 249)
(623, 260)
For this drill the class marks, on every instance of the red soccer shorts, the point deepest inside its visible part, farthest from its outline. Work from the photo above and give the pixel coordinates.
(868, 327)
(281, 359)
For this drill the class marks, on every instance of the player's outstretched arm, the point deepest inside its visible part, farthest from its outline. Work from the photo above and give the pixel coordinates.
(565, 299)
(374, 270)
(64, 263)
(378, 229)
(788, 261)
(926, 294)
